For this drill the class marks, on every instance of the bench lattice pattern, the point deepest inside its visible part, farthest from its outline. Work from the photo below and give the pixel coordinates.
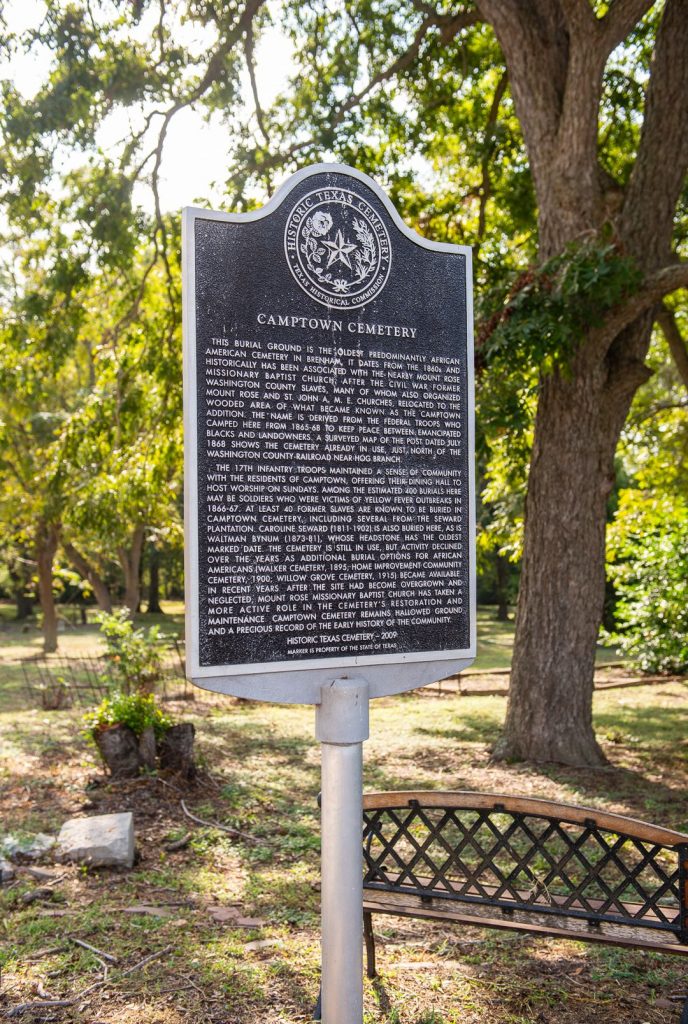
(520, 860)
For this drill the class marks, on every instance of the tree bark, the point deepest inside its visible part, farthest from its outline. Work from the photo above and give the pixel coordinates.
(555, 57)
(87, 572)
(47, 536)
(561, 598)
(153, 581)
(177, 749)
(119, 749)
(130, 561)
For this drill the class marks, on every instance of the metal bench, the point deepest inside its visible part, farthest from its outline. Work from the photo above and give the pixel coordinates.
(535, 866)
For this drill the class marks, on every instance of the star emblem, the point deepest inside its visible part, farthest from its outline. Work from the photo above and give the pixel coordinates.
(339, 250)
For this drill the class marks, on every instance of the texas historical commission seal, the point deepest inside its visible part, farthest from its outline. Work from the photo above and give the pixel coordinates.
(338, 248)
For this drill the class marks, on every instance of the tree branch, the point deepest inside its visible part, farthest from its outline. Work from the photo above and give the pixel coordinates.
(535, 42)
(621, 17)
(212, 73)
(660, 167)
(248, 54)
(485, 183)
(448, 22)
(450, 28)
(676, 342)
(652, 291)
(657, 410)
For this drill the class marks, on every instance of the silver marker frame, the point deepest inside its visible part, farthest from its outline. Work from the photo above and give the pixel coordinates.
(299, 681)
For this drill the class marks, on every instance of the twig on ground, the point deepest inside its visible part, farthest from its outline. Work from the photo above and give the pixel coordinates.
(16, 1011)
(54, 881)
(43, 952)
(38, 1004)
(93, 949)
(164, 782)
(109, 781)
(46, 1003)
(147, 960)
(179, 844)
(207, 777)
(223, 828)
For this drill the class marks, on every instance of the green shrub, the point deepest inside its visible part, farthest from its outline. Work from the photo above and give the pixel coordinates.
(135, 656)
(137, 710)
(649, 545)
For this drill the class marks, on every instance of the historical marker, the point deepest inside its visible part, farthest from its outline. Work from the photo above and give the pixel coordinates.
(329, 444)
(328, 406)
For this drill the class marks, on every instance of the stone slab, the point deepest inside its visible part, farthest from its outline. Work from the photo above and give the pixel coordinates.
(104, 840)
(6, 871)
(23, 848)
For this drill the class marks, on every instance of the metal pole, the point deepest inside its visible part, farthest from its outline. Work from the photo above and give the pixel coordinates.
(341, 725)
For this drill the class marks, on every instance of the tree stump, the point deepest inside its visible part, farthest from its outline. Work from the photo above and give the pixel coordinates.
(119, 750)
(176, 749)
(147, 748)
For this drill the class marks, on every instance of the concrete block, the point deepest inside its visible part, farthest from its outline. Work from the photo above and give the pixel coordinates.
(104, 840)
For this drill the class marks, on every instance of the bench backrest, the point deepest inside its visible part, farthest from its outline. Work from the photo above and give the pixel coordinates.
(528, 856)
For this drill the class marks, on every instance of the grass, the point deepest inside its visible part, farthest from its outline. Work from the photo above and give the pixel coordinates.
(261, 775)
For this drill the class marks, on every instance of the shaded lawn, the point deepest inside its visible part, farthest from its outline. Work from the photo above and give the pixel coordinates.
(261, 775)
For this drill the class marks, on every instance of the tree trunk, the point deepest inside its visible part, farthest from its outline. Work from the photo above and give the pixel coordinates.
(21, 570)
(561, 599)
(154, 581)
(555, 54)
(91, 575)
(130, 561)
(23, 600)
(47, 537)
(24, 603)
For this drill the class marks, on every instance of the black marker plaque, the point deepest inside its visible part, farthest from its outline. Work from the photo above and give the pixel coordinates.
(329, 481)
